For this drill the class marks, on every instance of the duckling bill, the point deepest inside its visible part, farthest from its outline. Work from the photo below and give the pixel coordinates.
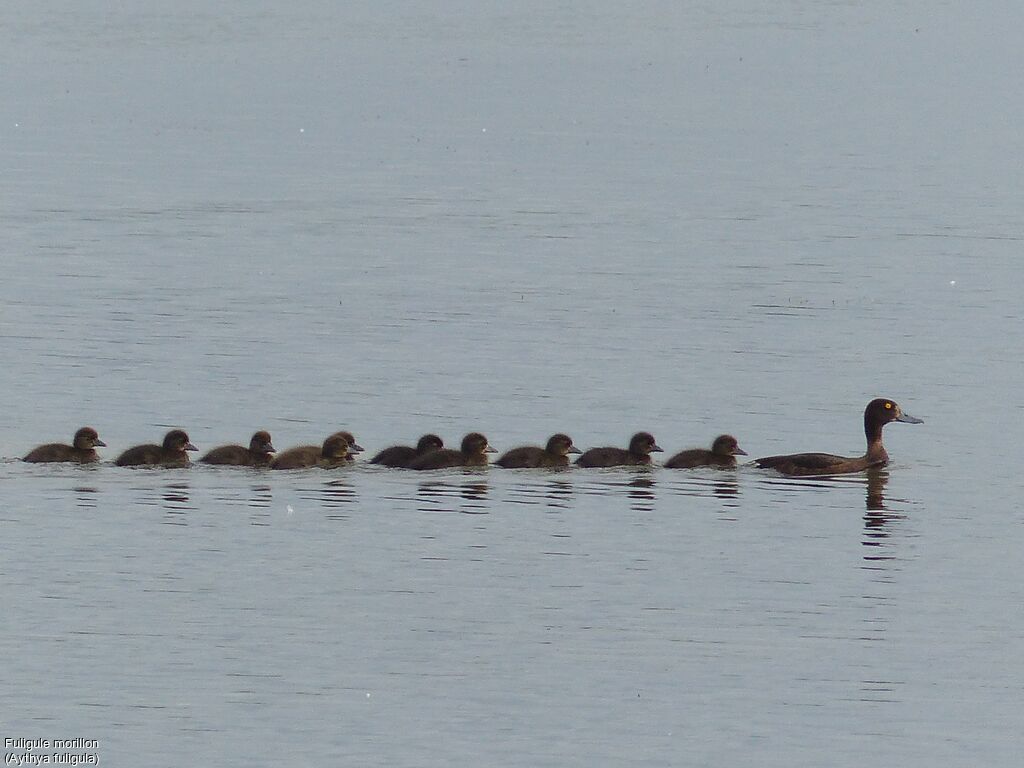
(878, 413)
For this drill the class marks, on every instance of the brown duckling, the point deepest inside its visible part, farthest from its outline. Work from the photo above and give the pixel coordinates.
(333, 453)
(80, 450)
(641, 446)
(401, 455)
(723, 454)
(473, 453)
(555, 454)
(353, 446)
(171, 454)
(878, 413)
(256, 455)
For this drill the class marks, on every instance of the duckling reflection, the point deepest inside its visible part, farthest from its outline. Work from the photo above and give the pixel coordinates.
(260, 501)
(176, 502)
(261, 496)
(434, 497)
(885, 691)
(335, 494)
(641, 494)
(535, 491)
(86, 497)
(176, 495)
(637, 486)
(726, 488)
(559, 493)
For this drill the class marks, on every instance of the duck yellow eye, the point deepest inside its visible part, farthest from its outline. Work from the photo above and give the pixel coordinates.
(888, 406)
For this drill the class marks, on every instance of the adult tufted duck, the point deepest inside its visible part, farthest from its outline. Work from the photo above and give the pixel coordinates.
(878, 413)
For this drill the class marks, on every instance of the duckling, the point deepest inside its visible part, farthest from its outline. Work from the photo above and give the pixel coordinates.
(401, 455)
(473, 453)
(333, 453)
(171, 454)
(554, 455)
(723, 454)
(353, 446)
(641, 446)
(878, 413)
(80, 450)
(256, 455)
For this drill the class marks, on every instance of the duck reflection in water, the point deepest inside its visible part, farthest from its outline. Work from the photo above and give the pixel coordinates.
(641, 494)
(433, 496)
(559, 493)
(877, 480)
(878, 518)
(86, 496)
(176, 501)
(332, 493)
(261, 497)
(724, 486)
(728, 490)
(549, 492)
(335, 493)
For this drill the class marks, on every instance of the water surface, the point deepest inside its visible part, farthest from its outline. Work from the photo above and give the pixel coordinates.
(590, 219)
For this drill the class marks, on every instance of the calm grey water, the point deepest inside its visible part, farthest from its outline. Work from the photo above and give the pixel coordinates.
(592, 218)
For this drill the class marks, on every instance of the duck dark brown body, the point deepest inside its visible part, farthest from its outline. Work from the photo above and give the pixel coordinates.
(256, 455)
(641, 446)
(173, 452)
(81, 450)
(723, 454)
(555, 454)
(333, 453)
(398, 456)
(473, 453)
(878, 413)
